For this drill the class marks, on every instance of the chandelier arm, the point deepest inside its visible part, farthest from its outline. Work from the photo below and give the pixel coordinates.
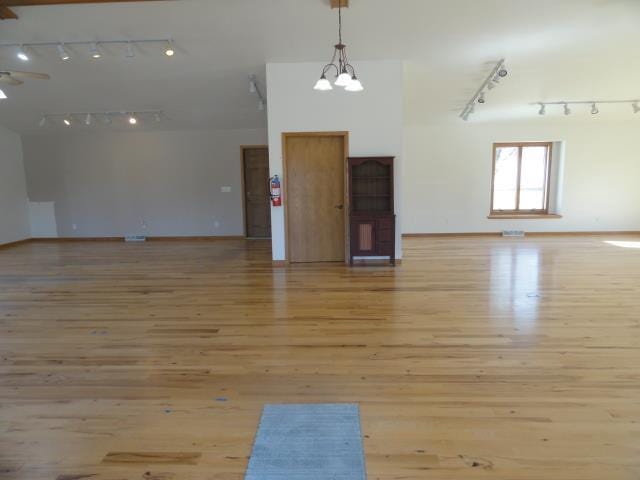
(348, 66)
(328, 66)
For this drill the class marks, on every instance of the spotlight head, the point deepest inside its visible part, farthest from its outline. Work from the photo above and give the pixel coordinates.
(2, 95)
(261, 105)
(169, 51)
(594, 109)
(22, 54)
(543, 109)
(62, 52)
(88, 119)
(636, 107)
(252, 84)
(567, 110)
(67, 121)
(503, 72)
(491, 85)
(481, 98)
(42, 122)
(130, 52)
(133, 120)
(95, 52)
(157, 117)
(107, 119)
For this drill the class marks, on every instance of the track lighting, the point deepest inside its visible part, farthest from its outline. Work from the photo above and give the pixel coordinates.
(42, 122)
(169, 51)
(635, 104)
(130, 52)
(594, 109)
(64, 55)
(2, 95)
(543, 109)
(89, 118)
(567, 110)
(491, 81)
(22, 54)
(95, 51)
(636, 107)
(254, 88)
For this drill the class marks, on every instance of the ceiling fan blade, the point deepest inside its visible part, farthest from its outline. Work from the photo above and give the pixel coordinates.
(21, 75)
(9, 80)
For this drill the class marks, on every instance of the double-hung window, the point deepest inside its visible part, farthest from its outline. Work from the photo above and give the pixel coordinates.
(521, 180)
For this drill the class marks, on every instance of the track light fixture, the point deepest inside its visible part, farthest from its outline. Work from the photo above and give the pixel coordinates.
(62, 52)
(132, 118)
(346, 74)
(254, 88)
(22, 54)
(492, 81)
(594, 104)
(169, 51)
(93, 45)
(95, 51)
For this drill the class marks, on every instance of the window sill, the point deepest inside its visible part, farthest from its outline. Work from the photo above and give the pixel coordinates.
(523, 216)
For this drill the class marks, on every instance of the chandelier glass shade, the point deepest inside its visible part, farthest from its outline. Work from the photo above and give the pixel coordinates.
(344, 71)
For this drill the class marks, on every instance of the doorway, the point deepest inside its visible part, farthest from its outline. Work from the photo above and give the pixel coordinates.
(255, 178)
(316, 207)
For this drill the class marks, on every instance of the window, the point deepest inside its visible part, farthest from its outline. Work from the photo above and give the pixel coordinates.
(521, 178)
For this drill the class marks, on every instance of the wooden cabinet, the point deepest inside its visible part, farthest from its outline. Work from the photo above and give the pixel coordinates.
(372, 217)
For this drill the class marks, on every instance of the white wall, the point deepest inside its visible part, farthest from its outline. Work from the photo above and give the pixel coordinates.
(373, 119)
(14, 223)
(143, 183)
(447, 174)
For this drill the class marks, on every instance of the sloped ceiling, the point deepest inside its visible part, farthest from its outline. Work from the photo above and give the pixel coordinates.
(555, 49)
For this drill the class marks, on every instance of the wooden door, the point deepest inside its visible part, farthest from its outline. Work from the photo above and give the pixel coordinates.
(256, 192)
(315, 168)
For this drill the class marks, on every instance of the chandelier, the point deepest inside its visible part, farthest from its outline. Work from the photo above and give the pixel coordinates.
(345, 73)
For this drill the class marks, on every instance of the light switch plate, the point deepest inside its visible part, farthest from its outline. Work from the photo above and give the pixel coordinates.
(225, 189)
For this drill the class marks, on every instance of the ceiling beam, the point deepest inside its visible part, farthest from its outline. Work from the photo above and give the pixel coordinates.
(6, 12)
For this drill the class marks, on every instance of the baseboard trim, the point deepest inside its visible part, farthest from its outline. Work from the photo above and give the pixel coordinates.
(14, 244)
(363, 262)
(527, 234)
(76, 239)
(279, 263)
(196, 238)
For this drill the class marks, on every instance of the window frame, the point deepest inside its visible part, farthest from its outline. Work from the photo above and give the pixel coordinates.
(547, 191)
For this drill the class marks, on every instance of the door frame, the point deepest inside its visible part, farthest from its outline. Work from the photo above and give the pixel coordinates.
(243, 189)
(345, 139)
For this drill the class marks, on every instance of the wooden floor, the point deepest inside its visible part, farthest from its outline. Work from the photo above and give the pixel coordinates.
(478, 358)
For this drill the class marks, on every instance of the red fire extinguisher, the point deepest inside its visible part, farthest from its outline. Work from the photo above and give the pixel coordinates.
(274, 187)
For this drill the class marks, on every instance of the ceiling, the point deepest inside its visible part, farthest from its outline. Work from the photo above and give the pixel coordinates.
(555, 49)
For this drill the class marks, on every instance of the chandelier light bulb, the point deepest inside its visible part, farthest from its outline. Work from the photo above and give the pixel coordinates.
(323, 84)
(354, 86)
(344, 79)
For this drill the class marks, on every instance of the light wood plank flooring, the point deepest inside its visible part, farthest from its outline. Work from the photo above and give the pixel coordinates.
(478, 358)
